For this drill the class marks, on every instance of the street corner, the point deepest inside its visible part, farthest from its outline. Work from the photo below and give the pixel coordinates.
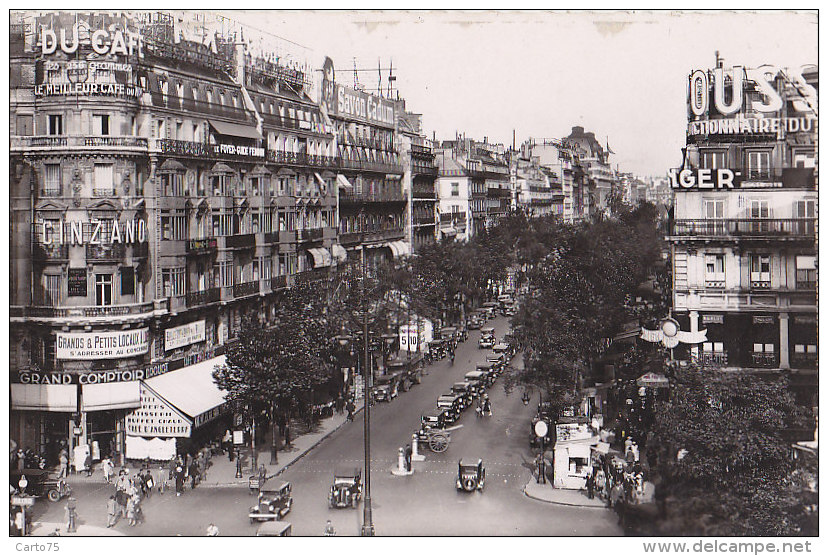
(560, 496)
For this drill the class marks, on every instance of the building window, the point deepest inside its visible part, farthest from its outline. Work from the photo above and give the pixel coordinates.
(104, 181)
(55, 124)
(173, 226)
(101, 124)
(713, 353)
(103, 289)
(174, 281)
(455, 189)
(224, 271)
(760, 271)
(714, 275)
(759, 209)
(160, 129)
(713, 159)
(172, 185)
(51, 180)
(220, 184)
(127, 280)
(714, 208)
(758, 165)
(806, 272)
(52, 296)
(25, 124)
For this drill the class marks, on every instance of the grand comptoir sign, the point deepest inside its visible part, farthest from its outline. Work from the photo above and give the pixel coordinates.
(768, 103)
(92, 377)
(94, 232)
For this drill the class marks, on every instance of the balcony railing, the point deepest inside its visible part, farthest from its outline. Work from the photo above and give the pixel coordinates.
(54, 252)
(201, 246)
(384, 235)
(105, 252)
(357, 164)
(203, 297)
(310, 234)
(747, 227)
(278, 282)
(53, 141)
(241, 241)
(349, 238)
(804, 360)
(246, 288)
(372, 196)
(302, 159)
(424, 220)
(101, 311)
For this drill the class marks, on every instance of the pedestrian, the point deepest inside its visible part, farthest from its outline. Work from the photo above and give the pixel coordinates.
(21, 460)
(193, 471)
(179, 479)
(108, 468)
(130, 509)
(280, 422)
(407, 454)
(351, 408)
(212, 530)
(287, 435)
(590, 485)
(64, 464)
(112, 512)
(230, 451)
(87, 463)
(227, 440)
(329, 529)
(148, 482)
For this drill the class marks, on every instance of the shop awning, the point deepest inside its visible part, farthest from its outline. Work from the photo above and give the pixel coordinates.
(339, 252)
(45, 397)
(653, 380)
(399, 249)
(191, 389)
(344, 183)
(602, 448)
(321, 257)
(235, 130)
(111, 395)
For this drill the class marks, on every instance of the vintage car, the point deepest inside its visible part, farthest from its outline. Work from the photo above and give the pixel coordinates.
(347, 487)
(509, 310)
(487, 338)
(450, 335)
(502, 348)
(476, 321)
(488, 374)
(478, 381)
(39, 482)
(408, 369)
(274, 502)
(434, 419)
(437, 349)
(491, 308)
(464, 389)
(497, 361)
(453, 404)
(505, 299)
(471, 476)
(386, 388)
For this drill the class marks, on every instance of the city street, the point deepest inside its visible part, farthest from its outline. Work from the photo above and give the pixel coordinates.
(424, 503)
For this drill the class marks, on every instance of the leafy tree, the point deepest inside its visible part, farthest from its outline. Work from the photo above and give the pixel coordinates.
(721, 458)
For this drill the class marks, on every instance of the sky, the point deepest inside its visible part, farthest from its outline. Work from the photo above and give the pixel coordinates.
(621, 75)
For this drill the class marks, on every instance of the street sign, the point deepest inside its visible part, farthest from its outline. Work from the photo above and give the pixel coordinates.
(541, 428)
(23, 501)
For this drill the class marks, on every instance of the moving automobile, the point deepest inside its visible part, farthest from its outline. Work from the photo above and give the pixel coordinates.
(487, 338)
(386, 388)
(40, 483)
(475, 321)
(453, 404)
(274, 502)
(470, 476)
(347, 487)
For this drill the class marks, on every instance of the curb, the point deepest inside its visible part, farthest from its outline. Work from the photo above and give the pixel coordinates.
(287, 465)
(562, 503)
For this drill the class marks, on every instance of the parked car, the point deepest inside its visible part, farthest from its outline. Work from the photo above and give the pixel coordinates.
(434, 419)
(408, 369)
(449, 334)
(509, 309)
(475, 321)
(274, 502)
(453, 404)
(497, 361)
(386, 388)
(477, 379)
(505, 299)
(470, 476)
(347, 487)
(437, 349)
(464, 389)
(502, 348)
(274, 529)
(488, 374)
(487, 338)
(40, 483)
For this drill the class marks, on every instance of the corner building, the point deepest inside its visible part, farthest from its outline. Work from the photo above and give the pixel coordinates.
(165, 180)
(744, 234)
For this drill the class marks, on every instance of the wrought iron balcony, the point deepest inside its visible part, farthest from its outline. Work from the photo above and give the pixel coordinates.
(54, 252)
(309, 234)
(767, 228)
(241, 241)
(246, 289)
(278, 282)
(97, 311)
(764, 360)
(382, 167)
(302, 159)
(130, 142)
(373, 196)
(105, 252)
(203, 297)
(201, 246)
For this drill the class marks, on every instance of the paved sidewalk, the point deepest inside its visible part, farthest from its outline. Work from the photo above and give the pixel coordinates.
(41, 529)
(222, 471)
(562, 496)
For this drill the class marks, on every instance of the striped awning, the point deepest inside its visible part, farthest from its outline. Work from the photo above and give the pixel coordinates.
(339, 252)
(321, 257)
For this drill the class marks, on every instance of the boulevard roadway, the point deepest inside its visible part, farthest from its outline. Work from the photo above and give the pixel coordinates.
(425, 503)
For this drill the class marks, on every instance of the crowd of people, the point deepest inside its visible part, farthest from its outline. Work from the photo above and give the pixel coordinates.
(614, 480)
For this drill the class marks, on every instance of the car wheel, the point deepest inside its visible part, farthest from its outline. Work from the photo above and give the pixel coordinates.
(469, 484)
(53, 495)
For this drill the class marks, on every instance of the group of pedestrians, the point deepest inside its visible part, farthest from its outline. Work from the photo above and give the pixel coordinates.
(129, 494)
